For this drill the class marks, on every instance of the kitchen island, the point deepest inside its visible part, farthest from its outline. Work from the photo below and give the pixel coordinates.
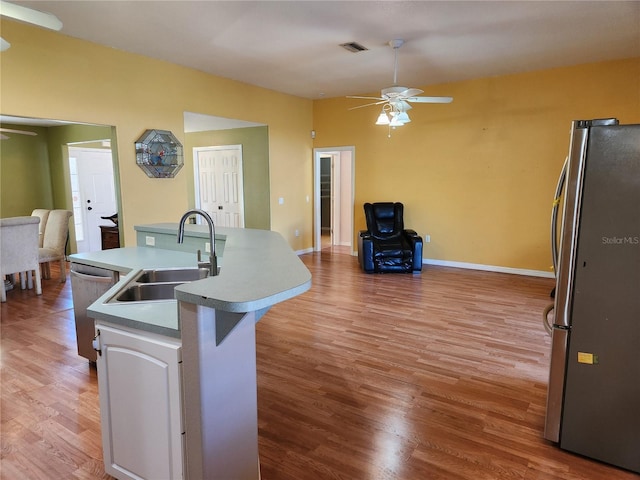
(208, 332)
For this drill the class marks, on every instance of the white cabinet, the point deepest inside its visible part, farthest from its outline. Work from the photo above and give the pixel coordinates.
(140, 403)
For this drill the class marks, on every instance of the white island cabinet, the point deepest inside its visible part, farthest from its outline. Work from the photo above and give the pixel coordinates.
(210, 325)
(139, 377)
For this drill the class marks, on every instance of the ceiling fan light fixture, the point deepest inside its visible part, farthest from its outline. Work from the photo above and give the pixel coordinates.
(383, 119)
(403, 117)
(396, 122)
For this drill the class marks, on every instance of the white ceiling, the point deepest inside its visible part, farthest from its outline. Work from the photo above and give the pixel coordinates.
(293, 46)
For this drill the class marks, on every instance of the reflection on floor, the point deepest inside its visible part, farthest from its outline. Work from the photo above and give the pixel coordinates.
(325, 242)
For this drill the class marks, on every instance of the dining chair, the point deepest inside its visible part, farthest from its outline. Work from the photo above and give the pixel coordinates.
(19, 249)
(43, 215)
(54, 243)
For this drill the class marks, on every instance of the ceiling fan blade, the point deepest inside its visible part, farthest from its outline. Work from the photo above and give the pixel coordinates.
(29, 15)
(368, 104)
(367, 98)
(430, 99)
(22, 132)
(411, 92)
(401, 105)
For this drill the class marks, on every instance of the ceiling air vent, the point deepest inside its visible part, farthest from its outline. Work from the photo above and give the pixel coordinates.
(354, 47)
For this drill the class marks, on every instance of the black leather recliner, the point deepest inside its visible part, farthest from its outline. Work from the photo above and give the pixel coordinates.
(386, 246)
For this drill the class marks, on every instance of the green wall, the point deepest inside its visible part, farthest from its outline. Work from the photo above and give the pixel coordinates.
(34, 170)
(59, 138)
(25, 175)
(255, 168)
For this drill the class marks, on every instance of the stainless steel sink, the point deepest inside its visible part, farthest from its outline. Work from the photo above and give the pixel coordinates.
(157, 284)
(172, 275)
(142, 292)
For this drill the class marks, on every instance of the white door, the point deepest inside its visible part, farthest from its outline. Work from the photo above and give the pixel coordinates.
(219, 184)
(93, 193)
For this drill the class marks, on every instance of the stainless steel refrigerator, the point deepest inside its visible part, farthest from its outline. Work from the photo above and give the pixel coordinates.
(593, 401)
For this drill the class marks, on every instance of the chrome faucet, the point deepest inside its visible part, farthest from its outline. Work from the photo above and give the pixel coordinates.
(212, 265)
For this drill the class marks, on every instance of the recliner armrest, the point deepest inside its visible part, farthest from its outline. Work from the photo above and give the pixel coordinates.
(365, 251)
(416, 244)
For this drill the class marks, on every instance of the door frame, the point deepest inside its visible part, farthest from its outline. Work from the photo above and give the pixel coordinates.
(317, 219)
(89, 145)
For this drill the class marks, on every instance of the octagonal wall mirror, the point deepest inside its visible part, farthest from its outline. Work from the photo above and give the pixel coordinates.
(159, 153)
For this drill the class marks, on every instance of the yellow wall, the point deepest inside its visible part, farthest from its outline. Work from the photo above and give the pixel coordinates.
(49, 75)
(479, 174)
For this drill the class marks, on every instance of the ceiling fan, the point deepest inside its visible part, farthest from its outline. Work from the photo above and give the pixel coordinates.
(27, 15)
(396, 100)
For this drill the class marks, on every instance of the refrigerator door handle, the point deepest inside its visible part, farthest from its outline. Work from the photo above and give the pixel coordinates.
(554, 215)
(570, 225)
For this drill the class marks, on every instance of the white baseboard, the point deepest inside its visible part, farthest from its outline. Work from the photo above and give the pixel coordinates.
(489, 268)
(470, 266)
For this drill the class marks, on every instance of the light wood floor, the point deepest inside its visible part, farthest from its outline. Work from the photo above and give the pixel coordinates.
(434, 376)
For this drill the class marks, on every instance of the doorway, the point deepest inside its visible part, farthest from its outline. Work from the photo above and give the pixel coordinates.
(93, 194)
(333, 197)
(219, 184)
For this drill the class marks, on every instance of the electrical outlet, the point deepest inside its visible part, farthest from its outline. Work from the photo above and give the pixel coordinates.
(150, 241)
(207, 247)
(427, 238)
(281, 200)
(297, 232)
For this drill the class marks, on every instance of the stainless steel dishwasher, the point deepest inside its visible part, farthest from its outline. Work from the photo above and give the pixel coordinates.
(88, 283)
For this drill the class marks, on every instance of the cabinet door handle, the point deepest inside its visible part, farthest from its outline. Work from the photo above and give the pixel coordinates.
(96, 344)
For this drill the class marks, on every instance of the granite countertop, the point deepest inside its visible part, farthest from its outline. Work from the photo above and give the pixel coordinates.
(258, 270)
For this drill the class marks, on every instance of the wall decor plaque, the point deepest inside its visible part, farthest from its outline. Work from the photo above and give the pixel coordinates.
(159, 153)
